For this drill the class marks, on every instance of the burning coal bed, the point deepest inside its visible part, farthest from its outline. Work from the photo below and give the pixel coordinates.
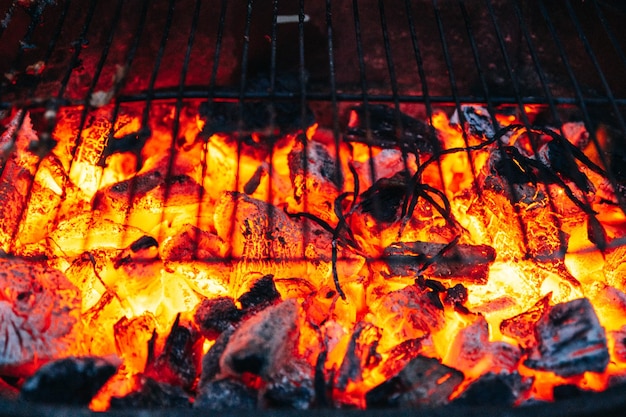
(249, 264)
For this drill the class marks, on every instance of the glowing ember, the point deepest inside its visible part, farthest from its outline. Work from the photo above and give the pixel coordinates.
(286, 258)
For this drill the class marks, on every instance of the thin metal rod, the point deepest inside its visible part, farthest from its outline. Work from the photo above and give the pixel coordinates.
(333, 89)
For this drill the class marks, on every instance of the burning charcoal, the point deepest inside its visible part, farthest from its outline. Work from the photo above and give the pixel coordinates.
(216, 315)
(457, 261)
(384, 198)
(191, 243)
(153, 194)
(410, 311)
(423, 382)
(69, 381)
(471, 348)
(211, 361)
(387, 163)
(143, 249)
(150, 394)
(385, 123)
(492, 389)
(87, 232)
(261, 343)
(522, 326)
(226, 394)
(39, 315)
(314, 172)
(14, 185)
(180, 361)
(477, 121)
(570, 340)
(259, 230)
(132, 337)
(361, 354)
(290, 386)
(400, 355)
(456, 295)
(263, 293)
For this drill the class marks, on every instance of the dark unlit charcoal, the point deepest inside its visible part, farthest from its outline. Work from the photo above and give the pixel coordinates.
(215, 315)
(457, 261)
(390, 129)
(494, 390)
(211, 360)
(424, 382)
(263, 342)
(150, 394)
(179, 363)
(570, 340)
(226, 394)
(522, 327)
(290, 386)
(69, 381)
(262, 294)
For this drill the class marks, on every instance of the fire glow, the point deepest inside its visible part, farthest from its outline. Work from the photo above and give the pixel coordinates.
(468, 258)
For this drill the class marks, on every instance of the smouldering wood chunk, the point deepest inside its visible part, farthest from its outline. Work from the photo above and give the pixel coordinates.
(570, 340)
(263, 342)
(457, 261)
(290, 386)
(360, 355)
(39, 315)
(423, 382)
(151, 394)
(494, 389)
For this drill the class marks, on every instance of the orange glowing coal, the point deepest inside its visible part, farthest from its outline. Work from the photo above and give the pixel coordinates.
(471, 249)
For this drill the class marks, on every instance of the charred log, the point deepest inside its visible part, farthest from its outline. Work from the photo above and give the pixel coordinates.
(570, 340)
(455, 261)
(423, 382)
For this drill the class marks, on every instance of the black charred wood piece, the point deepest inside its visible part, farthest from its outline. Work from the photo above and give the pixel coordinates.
(491, 389)
(69, 381)
(384, 199)
(391, 129)
(450, 261)
(179, 362)
(262, 294)
(570, 340)
(423, 382)
(151, 394)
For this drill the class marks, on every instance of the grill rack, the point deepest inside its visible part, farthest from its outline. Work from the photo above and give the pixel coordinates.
(94, 42)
